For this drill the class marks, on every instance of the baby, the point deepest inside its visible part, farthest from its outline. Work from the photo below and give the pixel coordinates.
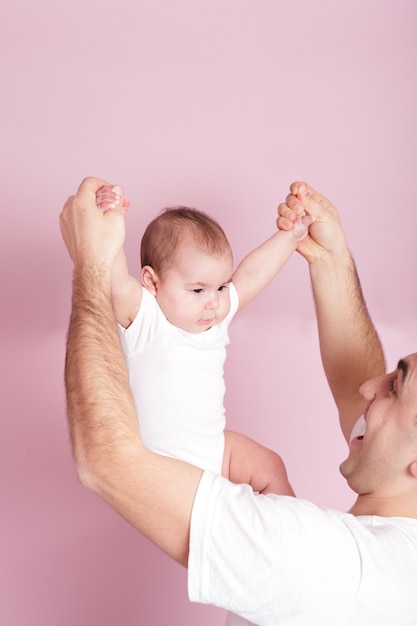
(173, 328)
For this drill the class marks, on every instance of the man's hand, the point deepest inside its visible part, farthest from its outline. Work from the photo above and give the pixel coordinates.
(90, 233)
(325, 233)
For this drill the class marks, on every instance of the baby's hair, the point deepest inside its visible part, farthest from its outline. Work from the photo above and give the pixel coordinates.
(176, 226)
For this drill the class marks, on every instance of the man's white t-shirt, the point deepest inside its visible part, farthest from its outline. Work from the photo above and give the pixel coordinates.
(277, 560)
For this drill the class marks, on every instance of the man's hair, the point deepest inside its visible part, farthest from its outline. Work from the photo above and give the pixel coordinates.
(176, 226)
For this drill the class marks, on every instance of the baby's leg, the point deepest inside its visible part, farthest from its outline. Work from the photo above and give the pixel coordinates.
(246, 461)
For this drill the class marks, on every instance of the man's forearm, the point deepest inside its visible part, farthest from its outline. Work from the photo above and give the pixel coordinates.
(350, 347)
(155, 494)
(95, 379)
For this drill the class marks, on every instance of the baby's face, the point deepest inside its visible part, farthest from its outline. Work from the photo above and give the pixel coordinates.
(194, 294)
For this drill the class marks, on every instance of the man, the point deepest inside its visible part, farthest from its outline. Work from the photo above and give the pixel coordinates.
(270, 559)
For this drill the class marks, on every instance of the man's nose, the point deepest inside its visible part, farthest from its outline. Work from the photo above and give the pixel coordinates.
(370, 388)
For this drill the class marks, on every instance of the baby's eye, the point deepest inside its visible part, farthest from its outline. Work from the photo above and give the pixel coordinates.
(198, 290)
(222, 288)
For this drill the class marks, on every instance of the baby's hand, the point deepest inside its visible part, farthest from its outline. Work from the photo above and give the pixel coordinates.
(292, 216)
(108, 198)
(300, 226)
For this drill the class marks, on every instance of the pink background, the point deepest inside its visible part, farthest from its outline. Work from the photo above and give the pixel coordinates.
(218, 105)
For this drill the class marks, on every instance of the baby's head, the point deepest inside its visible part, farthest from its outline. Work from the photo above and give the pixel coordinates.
(187, 264)
(176, 228)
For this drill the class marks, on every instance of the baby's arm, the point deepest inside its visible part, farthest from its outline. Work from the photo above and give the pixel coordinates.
(126, 290)
(261, 265)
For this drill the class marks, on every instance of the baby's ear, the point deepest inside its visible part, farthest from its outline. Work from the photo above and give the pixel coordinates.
(412, 468)
(150, 279)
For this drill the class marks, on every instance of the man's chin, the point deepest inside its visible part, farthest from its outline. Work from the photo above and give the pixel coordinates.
(344, 468)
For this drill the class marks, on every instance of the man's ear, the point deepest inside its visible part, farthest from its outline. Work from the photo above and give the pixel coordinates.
(150, 279)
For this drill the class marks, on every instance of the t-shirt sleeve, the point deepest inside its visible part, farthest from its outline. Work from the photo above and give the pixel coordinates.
(144, 327)
(234, 301)
(271, 559)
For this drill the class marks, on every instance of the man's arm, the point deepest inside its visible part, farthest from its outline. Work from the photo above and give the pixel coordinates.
(261, 265)
(154, 493)
(350, 347)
